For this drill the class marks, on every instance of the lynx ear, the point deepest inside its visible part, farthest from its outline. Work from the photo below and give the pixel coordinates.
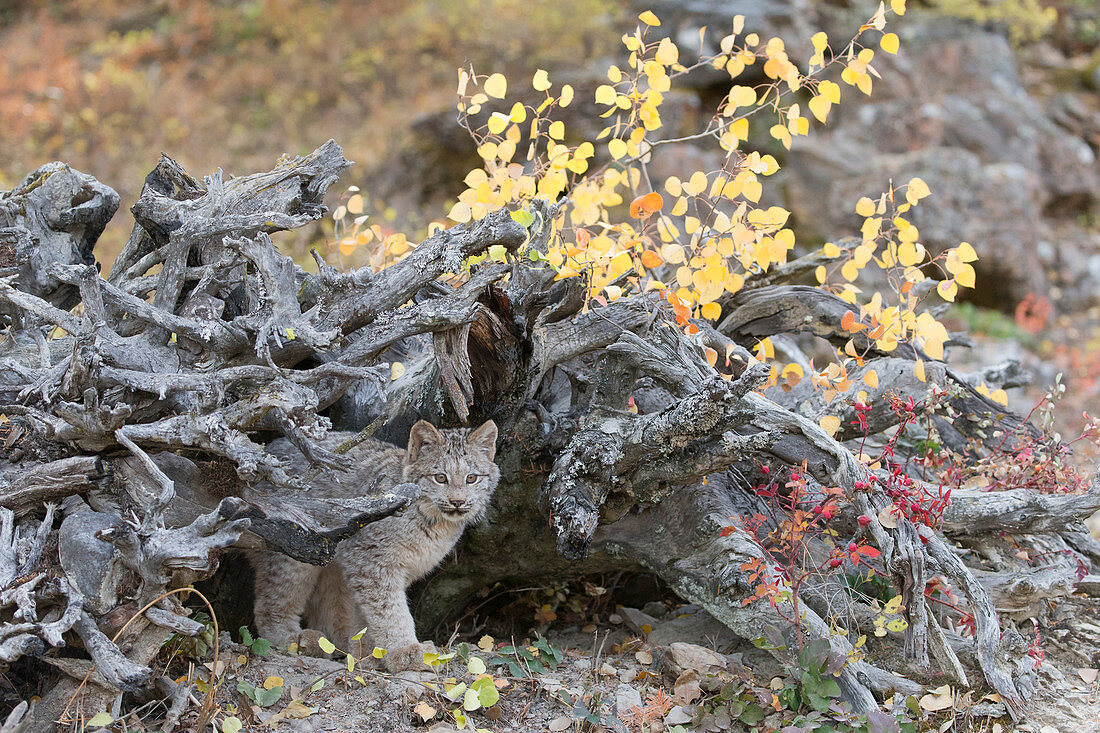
(422, 433)
(485, 439)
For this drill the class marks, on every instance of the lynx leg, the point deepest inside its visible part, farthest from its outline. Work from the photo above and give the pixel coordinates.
(283, 587)
(382, 601)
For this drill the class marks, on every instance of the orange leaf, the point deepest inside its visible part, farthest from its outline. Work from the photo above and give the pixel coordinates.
(847, 321)
(646, 204)
(651, 259)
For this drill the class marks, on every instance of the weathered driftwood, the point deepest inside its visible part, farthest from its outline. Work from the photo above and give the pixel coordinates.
(154, 416)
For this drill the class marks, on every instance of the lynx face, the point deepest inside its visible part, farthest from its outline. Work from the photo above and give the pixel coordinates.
(454, 469)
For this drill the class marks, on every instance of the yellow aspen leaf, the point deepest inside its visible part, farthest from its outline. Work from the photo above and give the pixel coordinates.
(541, 82)
(965, 276)
(565, 272)
(711, 311)
(616, 147)
(830, 90)
(775, 216)
(680, 206)
(585, 150)
(871, 377)
(898, 6)
(518, 113)
(966, 252)
(355, 204)
(820, 273)
(819, 106)
(916, 190)
(497, 123)
(889, 43)
(910, 253)
(697, 184)
(273, 681)
(741, 96)
(667, 52)
(649, 18)
(947, 290)
(556, 130)
(999, 396)
(566, 95)
(849, 271)
(673, 253)
(782, 134)
(863, 83)
(752, 190)
(830, 424)
(460, 212)
(605, 94)
(673, 186)
(577, 165)
(711, 354)
(820, 41)
(496, 86)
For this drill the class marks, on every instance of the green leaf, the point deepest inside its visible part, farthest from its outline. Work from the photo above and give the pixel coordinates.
(487, 693)
(524, 218)
(317, 684)
(261, 646)
(752, 714)
(246, 689)
(246, 637)
(326, 646)
(232, 725)
(456, 692)
(266, 698)
(470, 701)
(476, 666)
(497, 252)
(101, 719)
(829, 687)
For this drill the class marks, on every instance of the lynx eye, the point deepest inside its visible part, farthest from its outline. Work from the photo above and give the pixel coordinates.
(440, 478)
(471, 478)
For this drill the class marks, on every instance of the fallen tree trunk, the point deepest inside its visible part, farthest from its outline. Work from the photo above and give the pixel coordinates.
(150, 420)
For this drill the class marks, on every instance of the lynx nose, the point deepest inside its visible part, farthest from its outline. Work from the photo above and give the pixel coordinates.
(458, 503)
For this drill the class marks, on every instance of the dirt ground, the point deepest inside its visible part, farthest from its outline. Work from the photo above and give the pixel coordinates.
(633, 679)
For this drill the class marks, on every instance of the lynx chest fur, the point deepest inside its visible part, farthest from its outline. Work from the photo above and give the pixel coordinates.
(364, 587)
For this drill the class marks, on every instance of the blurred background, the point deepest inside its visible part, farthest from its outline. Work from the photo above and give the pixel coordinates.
(994, 103)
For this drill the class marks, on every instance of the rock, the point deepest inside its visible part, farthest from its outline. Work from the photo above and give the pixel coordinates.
(677, 716)
(997, 162)
(656, 609)
(683, 656)
(626, 697)
(693, 625)
(640, 622)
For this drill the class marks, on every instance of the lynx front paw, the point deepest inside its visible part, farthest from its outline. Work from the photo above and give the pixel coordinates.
(409, 657)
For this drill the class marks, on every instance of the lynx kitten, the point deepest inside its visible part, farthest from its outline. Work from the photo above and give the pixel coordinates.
(364, 586)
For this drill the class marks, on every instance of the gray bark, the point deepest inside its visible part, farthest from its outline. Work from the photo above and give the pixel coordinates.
(152, 418)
